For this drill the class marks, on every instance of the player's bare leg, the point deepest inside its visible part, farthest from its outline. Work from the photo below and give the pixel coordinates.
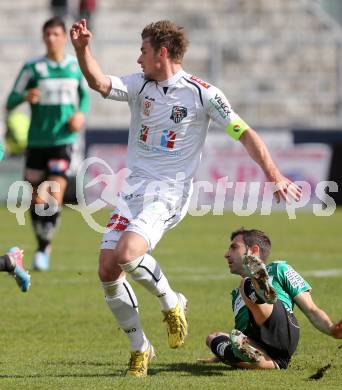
(129, 256)
(123, 304)
(146, 270)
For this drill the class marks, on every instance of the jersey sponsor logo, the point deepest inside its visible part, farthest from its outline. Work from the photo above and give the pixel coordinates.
(143, 134)
(129, 196)
(117, 222)
(178, 113)
(148, 105)
(237, 128)
(165, 151)
(221, 106)
(150, 98)
(200, 82)
(294, 278)
(168, 139)
(160, 150)
(58, 91)
(166, 142)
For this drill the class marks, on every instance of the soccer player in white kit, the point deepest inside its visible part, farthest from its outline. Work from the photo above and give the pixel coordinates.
(170, 114)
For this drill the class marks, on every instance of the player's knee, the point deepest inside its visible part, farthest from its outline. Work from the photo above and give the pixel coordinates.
(34, 176)
(208, 340)
(130, 247)
(108, 268)
(126, 252)
(125, 255)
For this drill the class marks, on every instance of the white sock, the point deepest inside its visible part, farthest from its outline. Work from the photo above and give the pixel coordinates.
(124, 305)
(146, 271)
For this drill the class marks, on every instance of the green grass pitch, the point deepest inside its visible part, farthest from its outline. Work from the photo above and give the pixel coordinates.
(60, 335)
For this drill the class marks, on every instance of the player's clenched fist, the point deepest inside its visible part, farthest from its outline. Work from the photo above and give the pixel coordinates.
(336, 330)
(80, 35)
(76, 122)
(32, 95)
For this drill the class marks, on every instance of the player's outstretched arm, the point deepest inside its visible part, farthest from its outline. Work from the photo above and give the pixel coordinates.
(318, 317)
(80, 38)
(256, 148)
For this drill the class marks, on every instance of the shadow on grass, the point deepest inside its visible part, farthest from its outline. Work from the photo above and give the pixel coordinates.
(183, 369)
(195, 369)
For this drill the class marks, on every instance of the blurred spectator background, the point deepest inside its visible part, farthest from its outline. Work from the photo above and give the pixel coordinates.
(279, 62)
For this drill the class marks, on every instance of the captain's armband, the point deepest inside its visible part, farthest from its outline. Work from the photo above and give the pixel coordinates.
(236, 127)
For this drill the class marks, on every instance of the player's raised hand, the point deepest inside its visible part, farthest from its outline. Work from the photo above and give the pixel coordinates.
(287, 190)
(336, 330)
(80, 35)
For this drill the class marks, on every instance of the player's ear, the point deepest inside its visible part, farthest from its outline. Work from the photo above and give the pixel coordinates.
(255, 250)
(163, 52)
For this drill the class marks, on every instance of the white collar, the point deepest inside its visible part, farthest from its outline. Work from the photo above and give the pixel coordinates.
(172, 80)
(61, 64)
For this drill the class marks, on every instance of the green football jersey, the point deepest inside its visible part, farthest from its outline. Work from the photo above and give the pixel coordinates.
(63, 91)
(286, 281)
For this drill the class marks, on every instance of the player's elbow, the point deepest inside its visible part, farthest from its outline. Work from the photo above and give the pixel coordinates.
(94, 84)
(102, 86)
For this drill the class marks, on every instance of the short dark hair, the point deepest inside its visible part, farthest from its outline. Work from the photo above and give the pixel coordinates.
(56, 21)
(254, 237)
(167, 34)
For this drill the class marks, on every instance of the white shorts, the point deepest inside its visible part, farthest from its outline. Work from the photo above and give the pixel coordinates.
(150, 220)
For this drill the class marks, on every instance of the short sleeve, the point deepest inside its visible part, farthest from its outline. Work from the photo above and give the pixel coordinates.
(292, 282)
(220, 111)
(125, 88)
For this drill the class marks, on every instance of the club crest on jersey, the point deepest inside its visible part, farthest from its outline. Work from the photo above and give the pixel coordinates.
(143, 133)
(147, 107)
(168, 139)
(178, 113)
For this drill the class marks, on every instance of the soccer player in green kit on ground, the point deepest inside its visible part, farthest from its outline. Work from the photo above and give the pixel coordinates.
(54, 87)
(266, 331)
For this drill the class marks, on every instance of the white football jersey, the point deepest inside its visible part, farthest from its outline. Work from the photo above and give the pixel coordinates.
(169, 123)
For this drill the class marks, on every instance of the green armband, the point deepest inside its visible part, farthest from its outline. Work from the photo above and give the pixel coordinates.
(236, 128)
